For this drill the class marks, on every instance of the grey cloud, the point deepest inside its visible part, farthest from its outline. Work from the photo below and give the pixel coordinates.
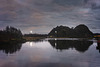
(94, 4)
(45, 14)
(68, 2)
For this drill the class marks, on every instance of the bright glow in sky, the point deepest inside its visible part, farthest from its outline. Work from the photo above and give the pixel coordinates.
(31, 32)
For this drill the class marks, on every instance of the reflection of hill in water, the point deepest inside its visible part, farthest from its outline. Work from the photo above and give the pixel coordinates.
(10, 48)
(80, 46)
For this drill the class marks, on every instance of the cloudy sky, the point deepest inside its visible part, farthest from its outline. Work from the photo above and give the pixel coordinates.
(41, 16)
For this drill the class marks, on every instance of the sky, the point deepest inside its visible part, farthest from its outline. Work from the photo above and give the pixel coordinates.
(40, 16)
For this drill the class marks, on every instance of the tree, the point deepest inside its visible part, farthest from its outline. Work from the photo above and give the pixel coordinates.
(10, 33)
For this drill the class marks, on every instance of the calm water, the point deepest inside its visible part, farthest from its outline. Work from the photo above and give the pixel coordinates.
(51, 53)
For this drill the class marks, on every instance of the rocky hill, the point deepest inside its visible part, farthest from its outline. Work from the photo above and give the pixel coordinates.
(80, 31)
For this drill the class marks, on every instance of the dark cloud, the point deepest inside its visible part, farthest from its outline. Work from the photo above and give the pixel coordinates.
(94, 4)
(68, 2)
(41, 15)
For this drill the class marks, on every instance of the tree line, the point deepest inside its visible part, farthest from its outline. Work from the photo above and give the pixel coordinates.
(10, 33)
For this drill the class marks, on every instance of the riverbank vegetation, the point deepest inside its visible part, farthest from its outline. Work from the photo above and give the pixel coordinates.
(11, 34)
(32, 37)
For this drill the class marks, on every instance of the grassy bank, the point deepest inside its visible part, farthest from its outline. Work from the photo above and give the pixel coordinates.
(32, 38)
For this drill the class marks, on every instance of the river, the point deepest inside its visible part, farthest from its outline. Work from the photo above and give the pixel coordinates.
(51, 53)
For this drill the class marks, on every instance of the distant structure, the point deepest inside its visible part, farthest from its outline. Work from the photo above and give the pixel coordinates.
(97, 36)
(55, 31)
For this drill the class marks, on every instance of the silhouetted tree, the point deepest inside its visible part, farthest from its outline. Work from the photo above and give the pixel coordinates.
(10, 33)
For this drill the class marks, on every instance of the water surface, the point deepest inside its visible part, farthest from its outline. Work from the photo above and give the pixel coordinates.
(51, 53)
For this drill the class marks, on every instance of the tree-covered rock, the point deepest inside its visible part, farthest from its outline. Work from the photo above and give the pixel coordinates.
(80, 31)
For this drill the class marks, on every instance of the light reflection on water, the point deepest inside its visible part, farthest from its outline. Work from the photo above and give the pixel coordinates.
(51, 53)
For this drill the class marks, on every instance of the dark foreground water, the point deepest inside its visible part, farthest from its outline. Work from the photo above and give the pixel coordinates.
(51, 53)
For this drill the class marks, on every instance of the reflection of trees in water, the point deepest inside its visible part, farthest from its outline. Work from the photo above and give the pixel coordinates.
(10, 48)
(80, 46)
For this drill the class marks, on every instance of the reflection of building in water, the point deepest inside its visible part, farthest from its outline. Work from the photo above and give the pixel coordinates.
(80, 46)
(97, 37)
(10, 48)
(98, 45)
